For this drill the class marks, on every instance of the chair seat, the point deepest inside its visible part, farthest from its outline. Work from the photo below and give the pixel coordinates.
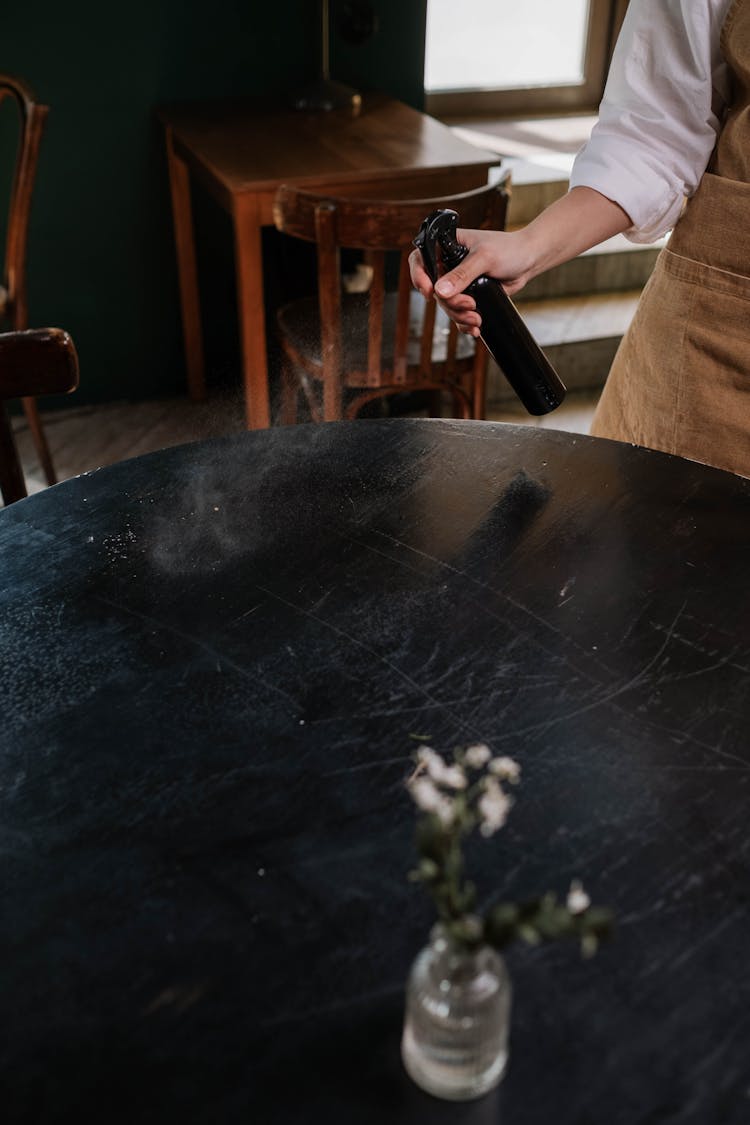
(36, 361)
(299, 322)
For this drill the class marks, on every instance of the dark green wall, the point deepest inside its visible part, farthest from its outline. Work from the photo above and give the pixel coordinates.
(101, 260)
(393, 60)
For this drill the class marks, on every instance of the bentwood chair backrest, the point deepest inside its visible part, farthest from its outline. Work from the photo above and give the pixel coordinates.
(14, 312)
(346, 349)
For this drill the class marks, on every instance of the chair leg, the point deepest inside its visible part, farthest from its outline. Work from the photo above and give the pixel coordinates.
(289, 394)
(479, 384)
(333, 400)
(12, 484)
(40, 439)
(461, 405)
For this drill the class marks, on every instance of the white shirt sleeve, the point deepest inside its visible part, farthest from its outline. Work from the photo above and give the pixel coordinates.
(658, 120)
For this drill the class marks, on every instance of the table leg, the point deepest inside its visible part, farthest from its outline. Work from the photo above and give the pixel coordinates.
(184, 235)
(248, 251)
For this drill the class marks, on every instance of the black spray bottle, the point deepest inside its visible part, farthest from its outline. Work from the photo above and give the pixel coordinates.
(503, 331)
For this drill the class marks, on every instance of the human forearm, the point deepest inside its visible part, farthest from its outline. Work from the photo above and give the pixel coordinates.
(574, 223)
(579, 220)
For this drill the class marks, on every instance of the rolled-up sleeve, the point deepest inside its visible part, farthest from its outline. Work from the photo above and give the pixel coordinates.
(657, 122)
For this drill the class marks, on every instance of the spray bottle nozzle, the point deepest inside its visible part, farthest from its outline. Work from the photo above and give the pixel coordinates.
(439, 229)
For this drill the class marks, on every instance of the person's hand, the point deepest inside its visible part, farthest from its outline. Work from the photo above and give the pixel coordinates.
(570, 225)
(504, 255)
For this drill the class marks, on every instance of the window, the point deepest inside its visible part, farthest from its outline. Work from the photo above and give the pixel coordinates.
(518, 56)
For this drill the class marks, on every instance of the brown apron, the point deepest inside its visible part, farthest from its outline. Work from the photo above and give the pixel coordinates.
(680, 381)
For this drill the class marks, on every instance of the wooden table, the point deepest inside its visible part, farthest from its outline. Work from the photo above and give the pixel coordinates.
(214, 658)
(241, 152)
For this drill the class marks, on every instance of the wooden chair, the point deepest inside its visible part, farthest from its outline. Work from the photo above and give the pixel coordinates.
(344, 350)
(41, 361)
(13, 301)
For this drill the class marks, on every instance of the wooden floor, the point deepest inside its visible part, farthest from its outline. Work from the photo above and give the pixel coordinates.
(85, 438)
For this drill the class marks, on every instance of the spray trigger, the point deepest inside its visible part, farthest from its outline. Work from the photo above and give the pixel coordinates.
(439, 229)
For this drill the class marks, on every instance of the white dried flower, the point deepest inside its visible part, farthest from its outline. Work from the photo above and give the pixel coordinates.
(442, 774)
(429, 799)
(429, 759)
(454, 777)
(506, 769)
(445, 811)
(478, 756)
(578, 901)
(424, 794)
(494, 806)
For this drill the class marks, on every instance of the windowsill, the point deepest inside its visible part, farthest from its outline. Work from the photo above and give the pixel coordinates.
(538, 152)
(550, 140)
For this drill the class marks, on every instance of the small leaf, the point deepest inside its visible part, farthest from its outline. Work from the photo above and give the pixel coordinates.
(600, 919)
(428, 870)
(554, 922)
(500, 925)
(505, 913)
(589, 945)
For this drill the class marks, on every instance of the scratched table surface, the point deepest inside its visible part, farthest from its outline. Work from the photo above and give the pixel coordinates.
(214, 658)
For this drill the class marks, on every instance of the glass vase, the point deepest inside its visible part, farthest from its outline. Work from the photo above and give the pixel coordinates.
(455, 1038)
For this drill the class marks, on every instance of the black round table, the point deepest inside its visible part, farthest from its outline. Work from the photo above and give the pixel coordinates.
(215, 659)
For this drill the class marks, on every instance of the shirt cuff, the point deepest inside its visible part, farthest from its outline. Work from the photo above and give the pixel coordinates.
(654, 206)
